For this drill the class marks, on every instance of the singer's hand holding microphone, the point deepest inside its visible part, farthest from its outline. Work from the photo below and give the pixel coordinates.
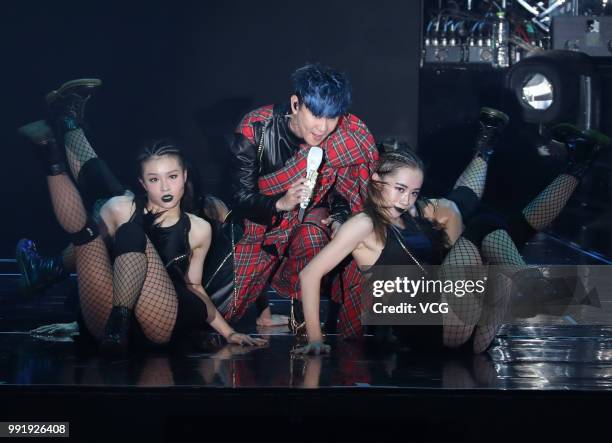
(294, 196)
(300, 191)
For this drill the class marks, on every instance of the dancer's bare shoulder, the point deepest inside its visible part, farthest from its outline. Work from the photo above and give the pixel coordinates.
(200, 234)
(361, 227)
(369, 245)
(357, 236)
(359, 223)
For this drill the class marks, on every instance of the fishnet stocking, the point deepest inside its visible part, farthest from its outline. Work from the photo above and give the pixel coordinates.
(129, 272)
(95, 281)
(78, 150)
(463, 262)
(494, 310)
(67, 203)
(157, 306)
(488, 312)
(94, 273)
(474, 176)
(548, 204)
(498, 249)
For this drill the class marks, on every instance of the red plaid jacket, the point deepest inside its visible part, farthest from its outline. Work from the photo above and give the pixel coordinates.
(349, 156)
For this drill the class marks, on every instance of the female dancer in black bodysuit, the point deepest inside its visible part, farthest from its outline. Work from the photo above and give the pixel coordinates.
(96, 184)
(396, 228)
(154, 282)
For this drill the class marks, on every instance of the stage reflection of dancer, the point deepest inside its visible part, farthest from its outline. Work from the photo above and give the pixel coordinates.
(269, 151)
(152, 290)
(395, 228)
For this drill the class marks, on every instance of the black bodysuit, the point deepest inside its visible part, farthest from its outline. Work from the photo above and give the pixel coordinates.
(426, 245)
(172, 245)
(413, 238)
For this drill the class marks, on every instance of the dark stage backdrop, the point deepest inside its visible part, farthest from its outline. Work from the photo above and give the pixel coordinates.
(189, 71)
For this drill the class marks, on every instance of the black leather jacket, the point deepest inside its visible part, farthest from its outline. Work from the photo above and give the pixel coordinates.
(279, 145)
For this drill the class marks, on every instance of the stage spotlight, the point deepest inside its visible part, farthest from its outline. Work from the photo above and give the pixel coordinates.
(537, 92)
(556, 86)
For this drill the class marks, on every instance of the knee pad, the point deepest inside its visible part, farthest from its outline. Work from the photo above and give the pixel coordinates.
(482, 225)
(89, 233)
(465, 199)
(129, 237)
(97, 181)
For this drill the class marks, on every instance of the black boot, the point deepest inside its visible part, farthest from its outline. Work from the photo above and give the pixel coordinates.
(492, 124)
(115, 341)
(37, 272)
(583, 147)
(41, 135)
(67, 104)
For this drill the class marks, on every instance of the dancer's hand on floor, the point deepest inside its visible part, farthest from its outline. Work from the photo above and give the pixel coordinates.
(245, 340)
(316, 348)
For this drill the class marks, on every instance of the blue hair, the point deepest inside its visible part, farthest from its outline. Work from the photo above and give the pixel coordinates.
(325, 91)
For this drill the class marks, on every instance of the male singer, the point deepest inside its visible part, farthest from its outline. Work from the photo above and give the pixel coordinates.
(269, 157)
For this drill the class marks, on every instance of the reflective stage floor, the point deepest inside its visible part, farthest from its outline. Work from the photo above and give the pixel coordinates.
(553, 376)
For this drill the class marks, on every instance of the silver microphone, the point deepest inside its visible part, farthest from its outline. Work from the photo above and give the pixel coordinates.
(315, 157)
